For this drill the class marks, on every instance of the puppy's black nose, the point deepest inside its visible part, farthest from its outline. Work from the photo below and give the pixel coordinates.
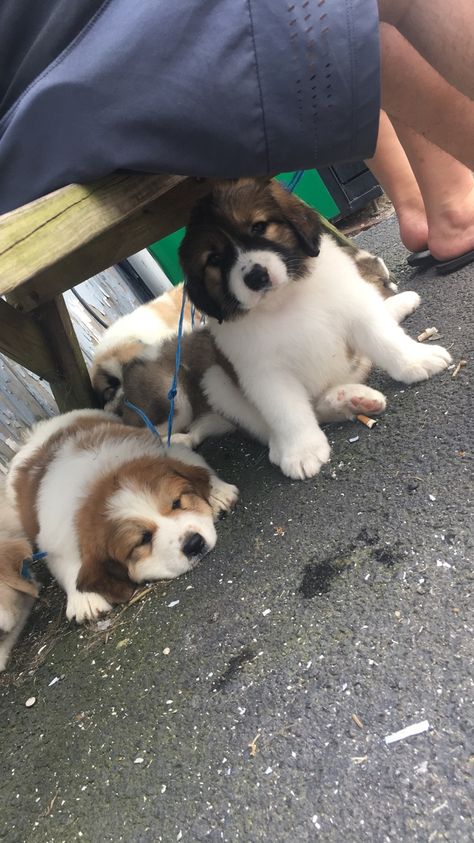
(257, 278)
(194, 546)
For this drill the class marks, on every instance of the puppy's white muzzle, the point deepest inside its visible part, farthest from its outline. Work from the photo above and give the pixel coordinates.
(254, 274)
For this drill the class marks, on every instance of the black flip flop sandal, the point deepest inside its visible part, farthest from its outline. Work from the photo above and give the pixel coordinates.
(421, 260)
(424, 260)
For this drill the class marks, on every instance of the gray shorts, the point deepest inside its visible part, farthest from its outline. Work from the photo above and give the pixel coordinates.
(201, 87)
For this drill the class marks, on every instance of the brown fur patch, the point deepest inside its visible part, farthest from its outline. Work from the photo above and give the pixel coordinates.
(146, 383)
(12, 554)
(29, 475)
(108, 546)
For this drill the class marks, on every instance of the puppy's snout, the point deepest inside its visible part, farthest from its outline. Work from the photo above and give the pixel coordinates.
(257, 278)
(194, 545)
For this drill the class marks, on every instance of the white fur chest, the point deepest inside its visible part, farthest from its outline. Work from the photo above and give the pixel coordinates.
(301, 328)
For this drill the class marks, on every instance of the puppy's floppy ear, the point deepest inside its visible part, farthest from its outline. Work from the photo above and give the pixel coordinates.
(200, 297)
(105, 577)
(303, 220)
(198, 477)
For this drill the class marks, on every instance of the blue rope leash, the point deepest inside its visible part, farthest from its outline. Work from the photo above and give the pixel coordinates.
(174, 386)
(25, 565)
(146, 421)
(294, 181)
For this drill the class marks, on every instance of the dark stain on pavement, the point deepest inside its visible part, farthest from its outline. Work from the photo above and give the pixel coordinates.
(318, 576)
(367, 537)
(236, 663)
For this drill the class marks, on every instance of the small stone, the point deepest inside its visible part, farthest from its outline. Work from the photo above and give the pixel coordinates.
(139, 760)
(30, 701)
(353, 439)
(173, 603)
(166, 651)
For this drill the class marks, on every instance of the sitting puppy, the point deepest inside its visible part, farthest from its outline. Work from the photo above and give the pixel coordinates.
(18, 589)
(111, 507)
(146, 380)
(295, 318)
(135, 336)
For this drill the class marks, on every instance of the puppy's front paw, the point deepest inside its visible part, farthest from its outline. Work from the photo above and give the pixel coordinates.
(223, 495)
(422, 363)
(8, 619)
(182, 439)
(302, 460)
(86, 606)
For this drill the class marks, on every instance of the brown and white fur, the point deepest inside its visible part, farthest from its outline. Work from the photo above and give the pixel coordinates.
(111, 507)
(146, 382)
(17, 593)
(135, 336)
(292, 313)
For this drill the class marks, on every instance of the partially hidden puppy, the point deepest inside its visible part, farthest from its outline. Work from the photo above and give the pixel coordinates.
(146, 384)
(111, 507)
(292, 313)
(18, 588)
(136, 336)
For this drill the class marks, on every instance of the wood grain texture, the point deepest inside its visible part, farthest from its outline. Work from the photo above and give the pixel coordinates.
(23, 341)
(71, 385)
(52, 244)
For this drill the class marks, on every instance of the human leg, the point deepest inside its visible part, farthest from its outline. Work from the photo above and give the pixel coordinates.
(417, 96)
(447, 189)
(392, 169)
(441, 32)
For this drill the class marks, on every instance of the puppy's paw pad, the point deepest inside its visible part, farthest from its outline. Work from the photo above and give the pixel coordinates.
(223, 495)
(86, 606)
(374, 403)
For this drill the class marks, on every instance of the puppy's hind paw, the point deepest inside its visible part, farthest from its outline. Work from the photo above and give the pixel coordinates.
(86, 606)
(223, 495)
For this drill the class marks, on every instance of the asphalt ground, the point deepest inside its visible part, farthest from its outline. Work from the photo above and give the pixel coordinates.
(249, 700)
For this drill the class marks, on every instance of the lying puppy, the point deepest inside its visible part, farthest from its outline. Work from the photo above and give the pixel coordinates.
(112, 507)
(18, 589)
(295, 318)
(137, 335)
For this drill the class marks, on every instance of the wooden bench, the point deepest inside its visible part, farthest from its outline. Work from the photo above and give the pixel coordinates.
(54, 243)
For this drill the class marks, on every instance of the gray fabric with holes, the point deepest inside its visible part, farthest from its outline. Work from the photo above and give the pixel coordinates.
(201, 88)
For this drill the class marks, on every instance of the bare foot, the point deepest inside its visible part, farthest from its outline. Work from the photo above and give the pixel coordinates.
(451, 231)
(413, 228)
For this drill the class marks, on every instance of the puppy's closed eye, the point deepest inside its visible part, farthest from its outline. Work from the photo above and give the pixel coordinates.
(146, 538)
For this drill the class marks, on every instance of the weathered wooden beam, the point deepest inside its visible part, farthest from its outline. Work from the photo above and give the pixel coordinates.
(22, 340)
(71, 385)
(54, 243)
